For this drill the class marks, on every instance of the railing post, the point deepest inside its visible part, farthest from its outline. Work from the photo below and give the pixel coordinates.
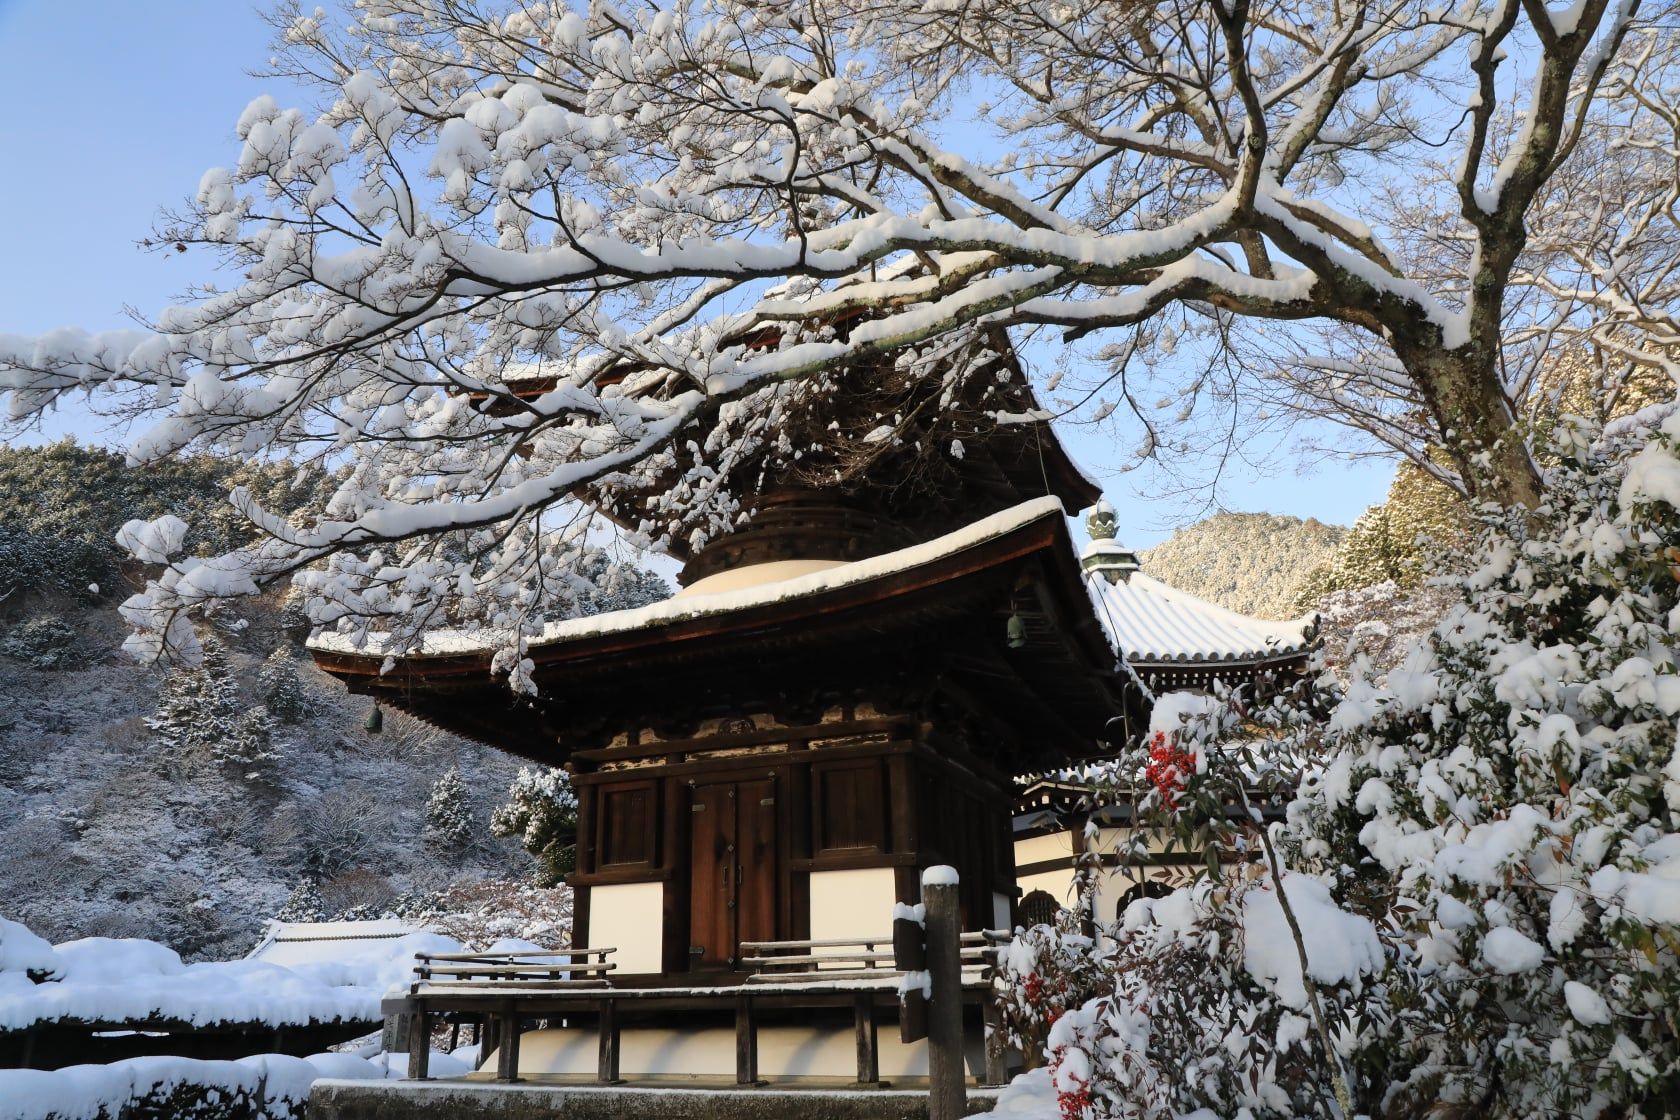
(868, 1054)
(947, 1072)
(507, 1048)
(419, 1042)
(607, 1054)
(746, 1042)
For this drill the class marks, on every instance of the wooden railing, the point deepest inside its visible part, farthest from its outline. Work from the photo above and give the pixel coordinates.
(862, 958)
(531, 970)
(859, 972)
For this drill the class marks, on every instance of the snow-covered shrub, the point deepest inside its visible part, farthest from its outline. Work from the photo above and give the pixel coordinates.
(449, 819)
(1203, 1000)
(1046, 970)
(47, 642)
(1511, 794)
(541, 810)
(23, 952)
(1482, 856)
(1206, 1006)
(262, 1087)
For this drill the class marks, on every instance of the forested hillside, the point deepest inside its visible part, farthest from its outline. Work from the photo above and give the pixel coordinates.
(189, 805)
(1248, 562)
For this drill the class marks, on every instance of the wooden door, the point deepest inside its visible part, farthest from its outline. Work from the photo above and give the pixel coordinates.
(732, 884)
(756, 827)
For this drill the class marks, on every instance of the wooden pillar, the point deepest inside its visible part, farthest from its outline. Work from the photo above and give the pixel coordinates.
(419, 1043)
(606, 1070)
(746, 1042)
(507, 1049)
(947, 1074)
(868, 1053)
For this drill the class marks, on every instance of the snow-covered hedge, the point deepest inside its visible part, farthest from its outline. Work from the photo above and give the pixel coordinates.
(106, 980)
(262, 1087)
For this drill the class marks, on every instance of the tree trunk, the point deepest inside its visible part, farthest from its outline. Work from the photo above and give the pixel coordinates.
(1478, 428)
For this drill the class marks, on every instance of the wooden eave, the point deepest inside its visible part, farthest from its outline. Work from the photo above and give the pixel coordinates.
(1066, 673)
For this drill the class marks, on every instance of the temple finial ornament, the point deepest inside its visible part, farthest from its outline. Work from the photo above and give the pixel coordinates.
(1102, 524)
(1105, 555)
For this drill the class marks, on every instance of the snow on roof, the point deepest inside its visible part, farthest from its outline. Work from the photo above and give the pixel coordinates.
(1151, 621)
(684, 608)
(289, 944)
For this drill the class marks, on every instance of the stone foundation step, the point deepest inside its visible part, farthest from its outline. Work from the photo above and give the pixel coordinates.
(471, 1100)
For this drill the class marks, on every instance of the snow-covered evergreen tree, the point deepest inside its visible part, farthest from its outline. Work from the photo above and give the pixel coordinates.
(304, 904)
(249, 750)
(541, 810)
(282, 692)
(1392, 542)
(199, 707)
(449, 818)
(48, 643)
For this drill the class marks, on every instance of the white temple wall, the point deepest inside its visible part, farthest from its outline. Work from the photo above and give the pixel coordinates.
(631, 918)
(857, 903)
(783, 1052)
(1037, 849)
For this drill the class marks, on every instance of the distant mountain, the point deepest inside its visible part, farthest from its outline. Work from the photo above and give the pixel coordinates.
(1248, 562)
(114, 830)
(188, 806)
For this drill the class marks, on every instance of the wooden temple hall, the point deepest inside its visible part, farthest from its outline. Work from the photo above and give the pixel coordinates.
(840, 696)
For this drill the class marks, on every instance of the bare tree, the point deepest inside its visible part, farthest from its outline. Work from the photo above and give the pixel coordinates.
(525, 251)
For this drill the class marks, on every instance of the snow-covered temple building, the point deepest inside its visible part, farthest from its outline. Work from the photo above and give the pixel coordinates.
(841, 696)
(1174, 641)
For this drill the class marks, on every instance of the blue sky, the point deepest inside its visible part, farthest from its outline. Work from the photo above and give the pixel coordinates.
(117, 110)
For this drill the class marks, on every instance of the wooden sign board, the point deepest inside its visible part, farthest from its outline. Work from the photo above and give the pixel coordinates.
(910, 955)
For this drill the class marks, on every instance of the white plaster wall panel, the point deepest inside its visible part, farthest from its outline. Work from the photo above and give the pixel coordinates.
(783, 1052)
(631, 918)
(855, 903)
(1038, 849)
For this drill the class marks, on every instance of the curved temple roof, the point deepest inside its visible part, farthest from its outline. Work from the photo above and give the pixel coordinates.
(996, 609)
(692, 606)
(1153, 622)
